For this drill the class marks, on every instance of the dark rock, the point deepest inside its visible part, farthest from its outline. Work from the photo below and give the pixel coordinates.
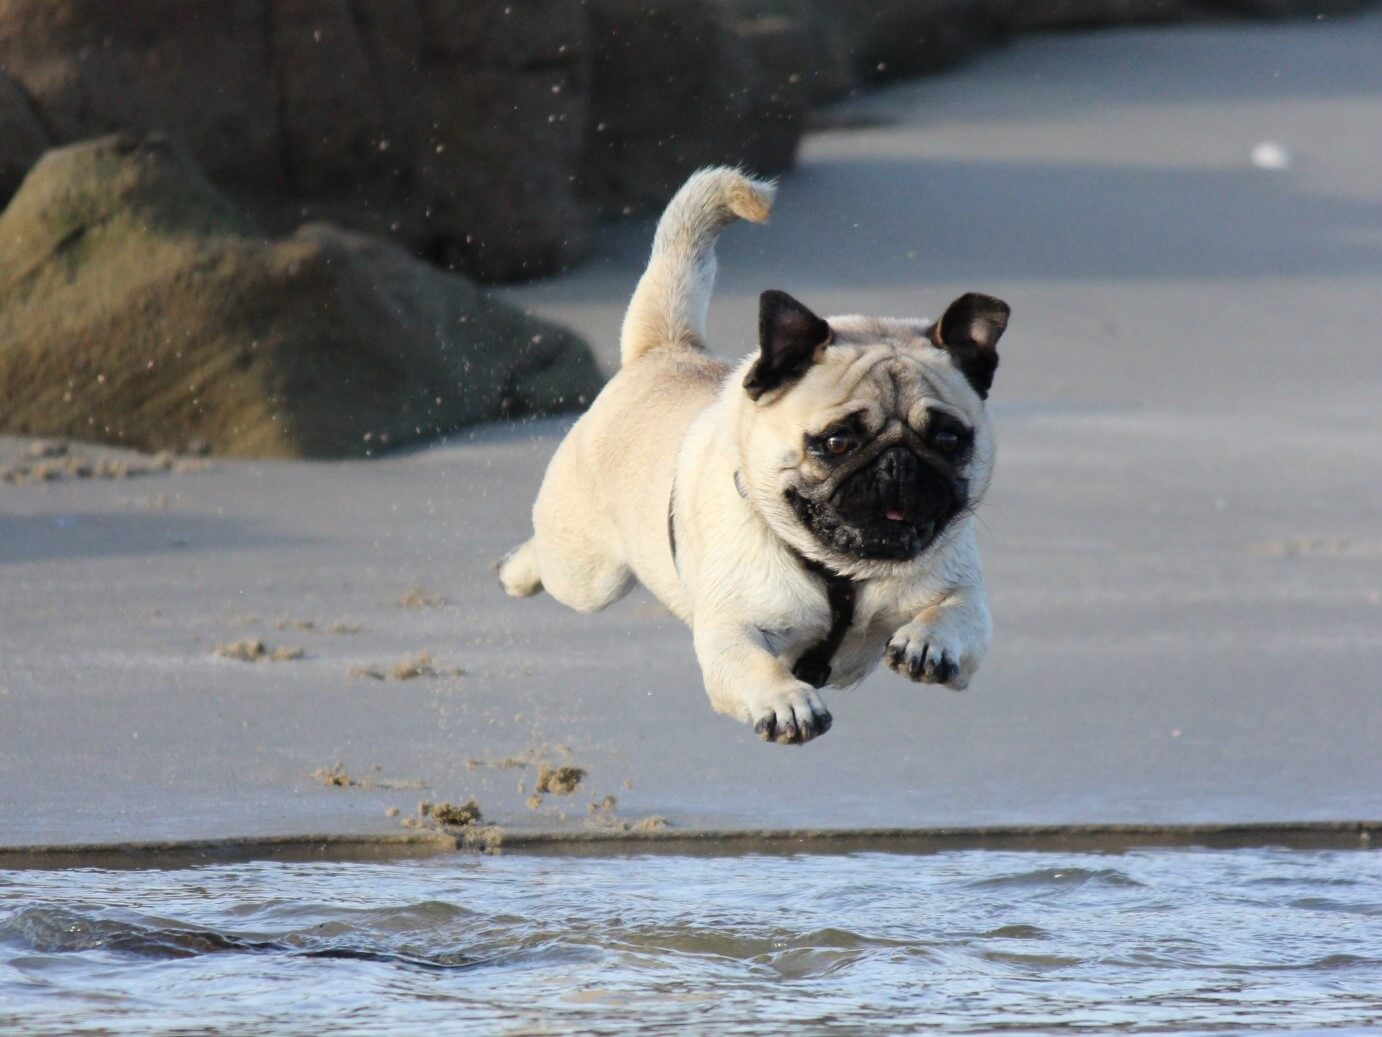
(1289, 8)
(486, 134)
(826, 70)
(892, 39)
(454, 126)
(1026, 15)
(877, 40)
(139, 306)
(22, 136)
(676, 85)
(196, 68)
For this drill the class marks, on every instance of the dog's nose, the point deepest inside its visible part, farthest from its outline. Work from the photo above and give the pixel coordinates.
(898, 466)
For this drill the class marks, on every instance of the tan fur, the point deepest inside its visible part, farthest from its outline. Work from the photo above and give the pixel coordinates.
(675, 416)
(668, 306)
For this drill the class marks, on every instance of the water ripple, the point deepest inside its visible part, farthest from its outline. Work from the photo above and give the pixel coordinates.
(1057, 878)
(1164, 940)
(51, 930)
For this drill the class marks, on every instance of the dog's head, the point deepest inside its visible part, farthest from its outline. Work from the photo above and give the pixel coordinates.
(863, 440)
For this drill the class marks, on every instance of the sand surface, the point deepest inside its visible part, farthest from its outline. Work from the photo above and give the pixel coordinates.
(1183, 541)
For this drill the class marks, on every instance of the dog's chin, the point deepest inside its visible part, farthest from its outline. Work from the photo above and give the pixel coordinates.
(888, 538)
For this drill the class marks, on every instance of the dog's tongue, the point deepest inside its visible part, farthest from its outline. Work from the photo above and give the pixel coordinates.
(895, 515)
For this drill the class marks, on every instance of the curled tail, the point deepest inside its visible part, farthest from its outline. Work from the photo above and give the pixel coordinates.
(669, 305)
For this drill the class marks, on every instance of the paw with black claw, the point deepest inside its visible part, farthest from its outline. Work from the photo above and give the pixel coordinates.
(789, 717)
(927, 655)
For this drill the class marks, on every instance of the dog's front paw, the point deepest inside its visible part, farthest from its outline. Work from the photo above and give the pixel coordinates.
(932, 654)
(790, 716)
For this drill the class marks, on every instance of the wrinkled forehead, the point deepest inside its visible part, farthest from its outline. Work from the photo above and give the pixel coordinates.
(856, 330)
(890, 369)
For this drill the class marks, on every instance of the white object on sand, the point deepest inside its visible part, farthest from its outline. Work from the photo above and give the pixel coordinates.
(1271, 155)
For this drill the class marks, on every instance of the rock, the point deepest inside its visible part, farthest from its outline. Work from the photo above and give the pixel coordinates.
(779, 50)
(197, 69)
(876, 40)
(870, 41)
(826, 70)
(1027, 15)
(1290, 8)
(485, 135)
(483, 107)
(139, 306)
(892, 39)
(455, 127)
(22, 136)
(675, 86)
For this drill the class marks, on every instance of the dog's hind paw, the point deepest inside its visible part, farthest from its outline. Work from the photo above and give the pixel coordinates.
(518, 571)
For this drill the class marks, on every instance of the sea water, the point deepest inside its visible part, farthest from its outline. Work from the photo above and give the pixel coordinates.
(1155, 940)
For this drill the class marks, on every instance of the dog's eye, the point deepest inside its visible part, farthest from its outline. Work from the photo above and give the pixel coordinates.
(946, 440)
(839, 444)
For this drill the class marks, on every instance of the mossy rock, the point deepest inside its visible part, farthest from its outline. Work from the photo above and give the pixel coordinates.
(139, 307)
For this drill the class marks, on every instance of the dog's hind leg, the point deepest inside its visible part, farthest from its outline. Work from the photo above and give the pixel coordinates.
(575, 553)
(573, 566)
(574, 571)
(518, 571)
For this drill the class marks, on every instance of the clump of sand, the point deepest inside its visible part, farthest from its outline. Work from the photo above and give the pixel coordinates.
(422, 665)
(602, 816)
(463, 820)
(249, 650)
(45, 448)
(467, 813)
(485, 839)
(507, 763)
(253, 650)
(47, 461)
(335, 777)
(560, 781)
(313, 627)
(421, 598)
(408, 668)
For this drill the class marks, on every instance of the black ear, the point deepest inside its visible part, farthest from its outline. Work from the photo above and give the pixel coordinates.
(790, 339)
(969, 332)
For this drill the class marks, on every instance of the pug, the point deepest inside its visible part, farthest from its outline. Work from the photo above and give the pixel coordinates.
(808, 511)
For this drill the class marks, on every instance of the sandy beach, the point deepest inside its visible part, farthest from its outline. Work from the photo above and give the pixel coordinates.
(1183, 543)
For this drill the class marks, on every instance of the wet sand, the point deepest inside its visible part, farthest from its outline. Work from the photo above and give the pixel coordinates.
(1183, 542)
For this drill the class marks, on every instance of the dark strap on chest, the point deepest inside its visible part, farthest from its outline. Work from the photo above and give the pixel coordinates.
(813, 666)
